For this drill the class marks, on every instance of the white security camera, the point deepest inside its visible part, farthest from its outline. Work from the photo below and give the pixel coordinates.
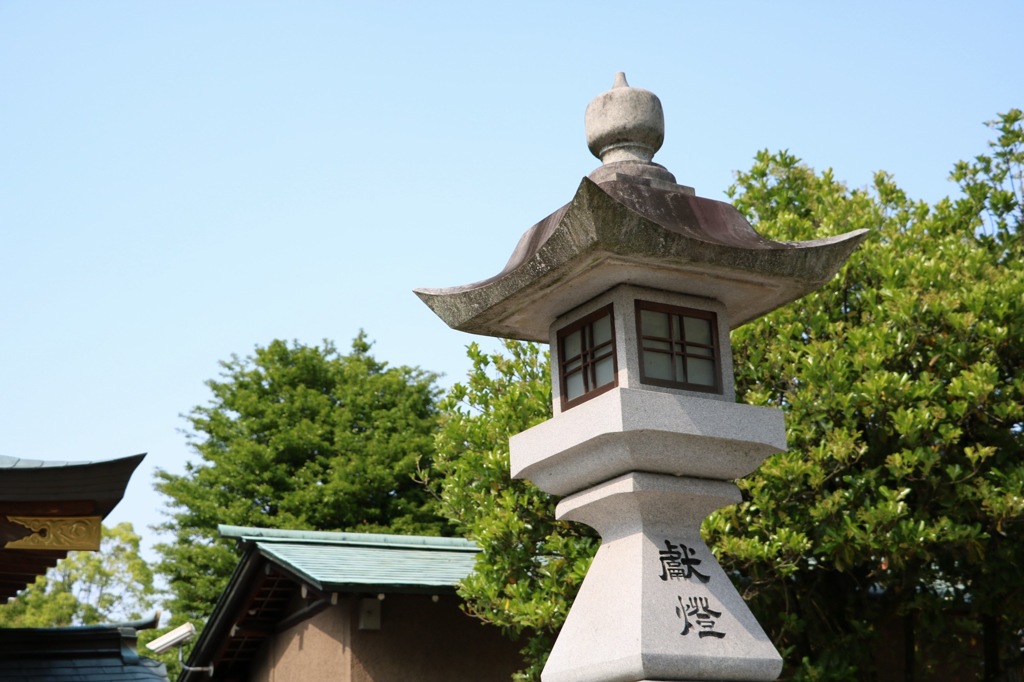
(176, 637)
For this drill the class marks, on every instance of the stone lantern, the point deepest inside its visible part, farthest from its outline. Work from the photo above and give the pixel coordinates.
(635, 284)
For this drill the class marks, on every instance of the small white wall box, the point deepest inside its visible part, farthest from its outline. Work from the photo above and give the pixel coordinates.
(369, 613)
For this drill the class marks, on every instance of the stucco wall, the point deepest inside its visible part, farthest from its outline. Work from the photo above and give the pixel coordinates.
(419, 641)
(429, 641)
(312, 651)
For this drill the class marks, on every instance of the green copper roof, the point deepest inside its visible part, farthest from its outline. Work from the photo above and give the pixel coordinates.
(333, 561)
(247, 533)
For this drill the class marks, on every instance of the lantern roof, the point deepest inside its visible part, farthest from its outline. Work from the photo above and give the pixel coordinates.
(631, 223)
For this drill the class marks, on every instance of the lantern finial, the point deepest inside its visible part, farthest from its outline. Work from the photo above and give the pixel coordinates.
(625, 124)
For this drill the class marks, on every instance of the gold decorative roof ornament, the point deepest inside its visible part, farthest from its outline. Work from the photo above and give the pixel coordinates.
(58, 532)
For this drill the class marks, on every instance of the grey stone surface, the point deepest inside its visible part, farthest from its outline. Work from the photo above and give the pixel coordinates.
(638, 430)
(649, 174)
(625, 124)
(644, 604)
(631, 232)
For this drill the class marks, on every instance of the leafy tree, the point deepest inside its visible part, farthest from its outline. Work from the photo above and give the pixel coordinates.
(899, 504)
(112, 585)
(297, 437)
(530, 566)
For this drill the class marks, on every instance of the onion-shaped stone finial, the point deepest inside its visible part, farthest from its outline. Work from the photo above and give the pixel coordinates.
(625, 124)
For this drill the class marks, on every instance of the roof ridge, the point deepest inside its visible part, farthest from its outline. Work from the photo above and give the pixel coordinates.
(253, 534)
(13, 462)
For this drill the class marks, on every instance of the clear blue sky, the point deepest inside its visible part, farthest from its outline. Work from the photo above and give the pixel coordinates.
(181, 181)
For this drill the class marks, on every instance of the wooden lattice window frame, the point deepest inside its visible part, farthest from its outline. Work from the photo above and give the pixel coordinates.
(589, 357)
(679, 347)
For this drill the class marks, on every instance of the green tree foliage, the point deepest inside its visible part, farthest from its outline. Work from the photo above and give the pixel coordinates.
(87, 588)
(900, 502)
(899, 505)
(531, 566)
(297, 437)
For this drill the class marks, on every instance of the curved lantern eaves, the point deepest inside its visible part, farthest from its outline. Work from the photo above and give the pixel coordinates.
(624, 230)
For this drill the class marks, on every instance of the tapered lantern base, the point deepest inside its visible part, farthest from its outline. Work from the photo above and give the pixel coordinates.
(655, 605)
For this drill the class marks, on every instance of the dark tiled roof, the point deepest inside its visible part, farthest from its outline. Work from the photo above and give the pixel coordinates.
(35, 481)
(98, 669)
(96, 653)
